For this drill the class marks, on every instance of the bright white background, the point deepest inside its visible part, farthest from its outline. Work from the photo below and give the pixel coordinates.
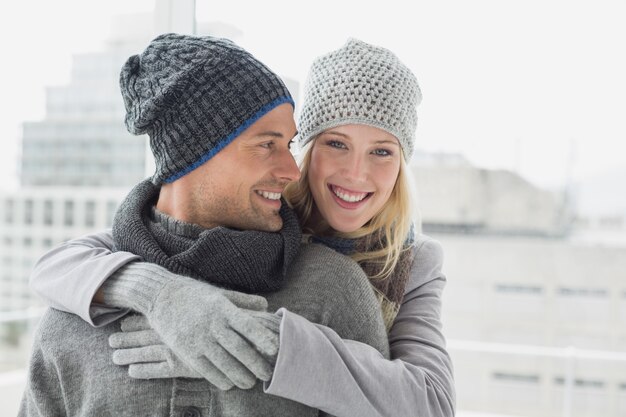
(533, 86)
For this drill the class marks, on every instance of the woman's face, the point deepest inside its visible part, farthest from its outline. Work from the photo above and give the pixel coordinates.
(352, 173)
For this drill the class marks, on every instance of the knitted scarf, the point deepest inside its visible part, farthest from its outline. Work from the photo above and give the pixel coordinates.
(389, 290)
(247, 261)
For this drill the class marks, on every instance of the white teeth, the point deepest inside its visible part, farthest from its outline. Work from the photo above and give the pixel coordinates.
(349, 198)
(268, 195)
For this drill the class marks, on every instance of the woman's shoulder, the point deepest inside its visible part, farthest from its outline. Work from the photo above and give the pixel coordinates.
(427, 248)
(427, 262)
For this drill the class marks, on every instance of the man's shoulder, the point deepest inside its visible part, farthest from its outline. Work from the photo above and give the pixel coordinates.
(324, 257)
(59, 330)
(319, 265)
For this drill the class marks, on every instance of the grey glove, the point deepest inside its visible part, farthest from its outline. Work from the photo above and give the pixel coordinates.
(202, 324)
(141, 348)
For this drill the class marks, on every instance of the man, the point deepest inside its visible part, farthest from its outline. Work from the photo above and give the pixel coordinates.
(220, 124)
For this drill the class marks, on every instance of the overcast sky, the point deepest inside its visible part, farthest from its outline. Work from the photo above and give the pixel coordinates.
(526, 85)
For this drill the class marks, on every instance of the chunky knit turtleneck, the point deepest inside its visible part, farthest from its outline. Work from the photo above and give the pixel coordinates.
(249, 261)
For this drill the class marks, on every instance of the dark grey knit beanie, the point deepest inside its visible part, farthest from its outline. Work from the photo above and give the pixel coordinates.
(193, 96)
(360, 83)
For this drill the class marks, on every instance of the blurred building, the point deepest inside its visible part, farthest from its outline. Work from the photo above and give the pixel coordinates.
(535, 315)
(34, 219)
(456, 197)
(82, 141)
(539, 323)
(76, 164)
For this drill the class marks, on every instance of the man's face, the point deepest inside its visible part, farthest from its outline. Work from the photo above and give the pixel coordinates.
(240, 187)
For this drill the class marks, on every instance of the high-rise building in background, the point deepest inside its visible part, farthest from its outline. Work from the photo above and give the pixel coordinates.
(82, 140)
(77, 163)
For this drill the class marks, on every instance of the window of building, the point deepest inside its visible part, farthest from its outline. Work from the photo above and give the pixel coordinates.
(582, 292)
(519, 300)
(586, 304)
(48, 213)
(111, 209)
(68, 213)
(90, 213)
(9, 207)
(28, 211)
(518, 289)
(581, 383)
(513, 377)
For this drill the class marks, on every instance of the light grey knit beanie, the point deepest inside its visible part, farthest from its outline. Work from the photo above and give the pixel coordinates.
(360, 83)
(193, 95)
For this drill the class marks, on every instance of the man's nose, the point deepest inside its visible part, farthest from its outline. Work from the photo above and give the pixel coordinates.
(286, 167)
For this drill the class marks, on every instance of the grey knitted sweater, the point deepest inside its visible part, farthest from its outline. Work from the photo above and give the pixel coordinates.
(71, 371)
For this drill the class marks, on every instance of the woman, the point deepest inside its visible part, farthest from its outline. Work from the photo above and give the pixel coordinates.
(357, 129)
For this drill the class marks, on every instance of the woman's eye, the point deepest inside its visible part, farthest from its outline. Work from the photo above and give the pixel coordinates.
(335, 144)
(382, 152)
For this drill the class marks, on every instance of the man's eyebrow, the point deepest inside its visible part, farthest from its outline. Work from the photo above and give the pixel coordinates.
(272, 134)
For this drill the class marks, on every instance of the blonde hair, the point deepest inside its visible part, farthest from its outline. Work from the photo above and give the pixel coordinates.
(394, 220)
